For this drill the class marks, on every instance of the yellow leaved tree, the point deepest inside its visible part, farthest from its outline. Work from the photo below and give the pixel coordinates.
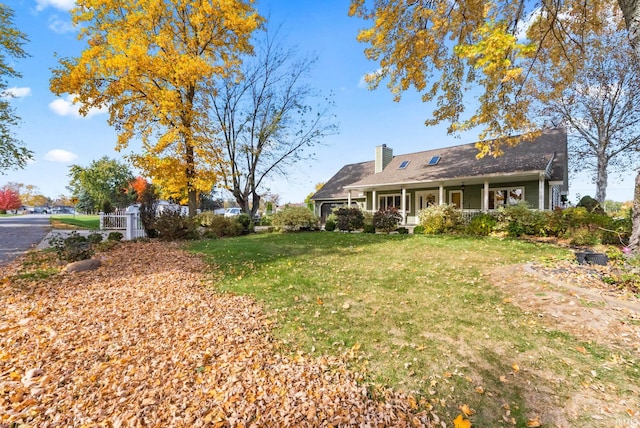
(149, 62)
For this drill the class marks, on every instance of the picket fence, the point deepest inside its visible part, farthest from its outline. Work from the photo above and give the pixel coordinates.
(120, 220)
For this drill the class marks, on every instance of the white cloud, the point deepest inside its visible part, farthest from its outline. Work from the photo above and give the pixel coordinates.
(60, 26)
(16, 92)
(58, 4)
(363, 84)
(66, 107)
(59, 155)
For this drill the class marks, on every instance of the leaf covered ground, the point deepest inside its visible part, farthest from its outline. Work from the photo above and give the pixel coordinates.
(142, 342)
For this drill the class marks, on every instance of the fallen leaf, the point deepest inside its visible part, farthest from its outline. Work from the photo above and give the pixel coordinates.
(466, 410)
(534, 423)
(460, 422)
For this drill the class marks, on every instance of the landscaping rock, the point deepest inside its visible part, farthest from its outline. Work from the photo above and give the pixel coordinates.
(83, 265)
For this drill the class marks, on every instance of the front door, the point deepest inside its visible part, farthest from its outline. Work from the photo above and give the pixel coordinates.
(425, 199)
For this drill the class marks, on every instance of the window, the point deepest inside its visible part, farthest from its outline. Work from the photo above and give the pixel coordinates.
(434, 160)
(385, 201)
(503, 197)
(403, 165)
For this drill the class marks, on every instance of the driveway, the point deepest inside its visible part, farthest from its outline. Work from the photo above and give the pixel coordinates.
(21, 233)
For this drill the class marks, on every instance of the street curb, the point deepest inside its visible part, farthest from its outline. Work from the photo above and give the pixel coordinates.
(44, 244)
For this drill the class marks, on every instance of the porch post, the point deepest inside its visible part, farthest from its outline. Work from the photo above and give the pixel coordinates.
(485, 199)
(541, 192)
(403, 204)
(349, 199)
(441, 194)
(374, 202)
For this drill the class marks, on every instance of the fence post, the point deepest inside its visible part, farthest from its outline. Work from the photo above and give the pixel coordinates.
(131, 226)
(101, 220)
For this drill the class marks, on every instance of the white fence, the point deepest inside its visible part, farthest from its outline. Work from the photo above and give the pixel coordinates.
(129, 223)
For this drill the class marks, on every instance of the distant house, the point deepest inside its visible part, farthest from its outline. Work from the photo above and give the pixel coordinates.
(534, 171)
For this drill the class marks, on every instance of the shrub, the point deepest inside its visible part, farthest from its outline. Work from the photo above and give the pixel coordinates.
(481, 225)
(221, 227)
(330, 225)
(295, 218)
(245, 221)
(369, 228)
(349, 218)
(403, 230)
(418, 230)
(577, 221)
(265, 220)
(114, 236)
(583, 237)
(94, 238)
(73, 248)
(206, 218)
(171, 226)
(591, 205)
(368, 218)
(387, 219)
(148, 209)
(438, 219)
(519, 219)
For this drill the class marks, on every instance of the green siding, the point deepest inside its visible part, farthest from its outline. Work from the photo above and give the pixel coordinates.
(472, 196)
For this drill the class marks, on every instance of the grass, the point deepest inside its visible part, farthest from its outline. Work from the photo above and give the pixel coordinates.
(68, 221)
(37, 266)
(420, 315)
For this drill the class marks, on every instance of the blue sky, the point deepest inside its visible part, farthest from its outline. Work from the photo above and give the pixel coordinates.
(59, 137)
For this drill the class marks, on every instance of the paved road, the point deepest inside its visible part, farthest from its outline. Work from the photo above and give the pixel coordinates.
(21, 233)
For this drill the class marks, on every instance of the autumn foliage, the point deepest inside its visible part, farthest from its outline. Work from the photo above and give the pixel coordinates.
(141, 342)
(152, 64)
(139, 185)
(9, 199)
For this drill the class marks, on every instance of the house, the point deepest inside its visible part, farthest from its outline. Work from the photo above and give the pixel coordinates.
(535, 171)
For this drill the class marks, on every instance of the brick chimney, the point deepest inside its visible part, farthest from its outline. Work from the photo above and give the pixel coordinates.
(384, 155)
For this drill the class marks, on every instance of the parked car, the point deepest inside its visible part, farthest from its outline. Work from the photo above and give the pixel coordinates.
(232, 212)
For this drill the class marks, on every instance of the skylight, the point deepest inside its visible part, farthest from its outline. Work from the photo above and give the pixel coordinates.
(403, 165)
(434, 160)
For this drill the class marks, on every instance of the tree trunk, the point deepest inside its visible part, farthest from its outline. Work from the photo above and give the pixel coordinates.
(631, 11)
(634, 242)
(601, 179)
(190, 172)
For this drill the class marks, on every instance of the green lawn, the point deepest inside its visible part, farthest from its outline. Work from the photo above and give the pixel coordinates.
(91, 222)
(419, 314)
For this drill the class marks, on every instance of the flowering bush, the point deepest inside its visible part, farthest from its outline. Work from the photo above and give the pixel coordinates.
(438, 219)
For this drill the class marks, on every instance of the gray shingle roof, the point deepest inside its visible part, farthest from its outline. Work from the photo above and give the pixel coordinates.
(456, 162)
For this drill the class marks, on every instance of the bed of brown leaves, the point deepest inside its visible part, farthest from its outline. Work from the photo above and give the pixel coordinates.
(142, 342)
